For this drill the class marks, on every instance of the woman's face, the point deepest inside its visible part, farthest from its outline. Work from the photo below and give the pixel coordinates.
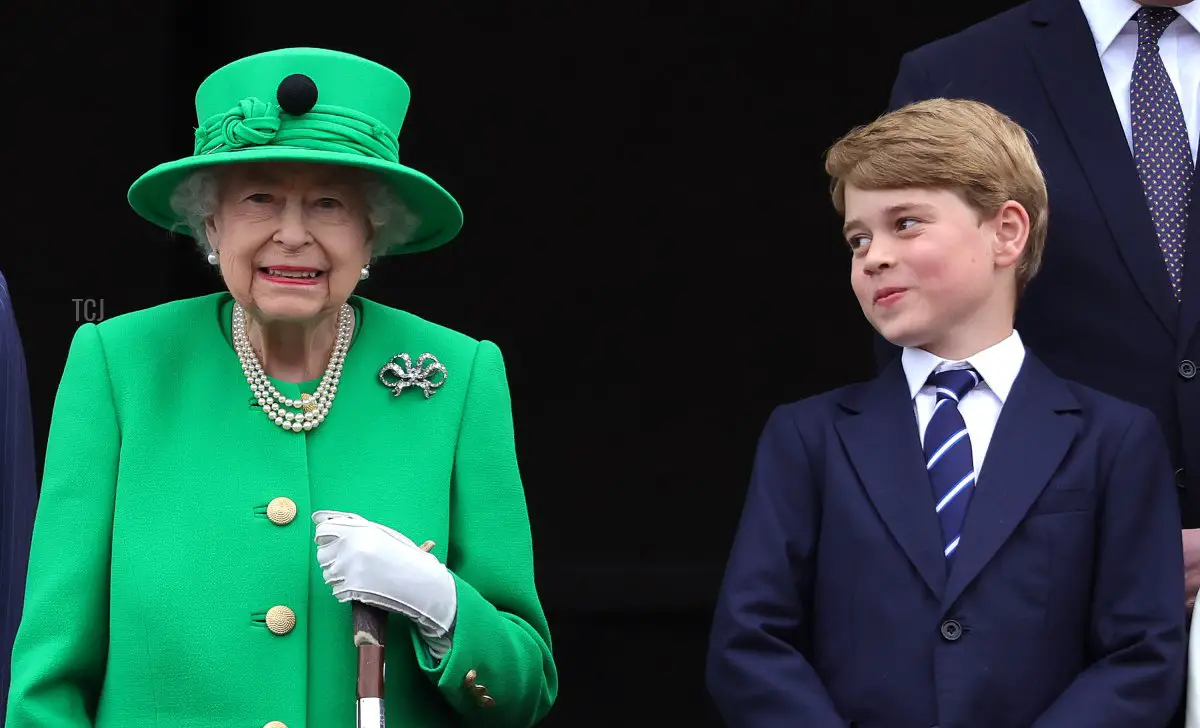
(291, 238)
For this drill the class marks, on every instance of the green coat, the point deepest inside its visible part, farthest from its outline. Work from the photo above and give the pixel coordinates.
(154, 562)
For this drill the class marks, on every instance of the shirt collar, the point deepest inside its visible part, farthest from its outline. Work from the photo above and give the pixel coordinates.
(998, 364)
(1107, 18)
(1190, 13)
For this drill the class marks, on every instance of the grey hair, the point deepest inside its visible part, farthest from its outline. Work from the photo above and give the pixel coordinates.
(194, 201)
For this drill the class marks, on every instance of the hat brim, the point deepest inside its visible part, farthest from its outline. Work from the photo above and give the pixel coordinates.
(439, 217)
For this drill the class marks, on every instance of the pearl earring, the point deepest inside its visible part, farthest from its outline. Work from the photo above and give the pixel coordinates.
(212, 258)
(365, 273)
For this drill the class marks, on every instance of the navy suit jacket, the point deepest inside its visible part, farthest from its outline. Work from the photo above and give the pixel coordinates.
(1101, 311)
(18, 484)
(1063, 607)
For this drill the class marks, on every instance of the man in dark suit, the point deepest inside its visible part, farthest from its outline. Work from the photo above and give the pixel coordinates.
(18, 483)
(1108, 91)
(968, 539)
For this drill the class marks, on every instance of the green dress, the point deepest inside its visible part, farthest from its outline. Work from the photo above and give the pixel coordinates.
(167, 566)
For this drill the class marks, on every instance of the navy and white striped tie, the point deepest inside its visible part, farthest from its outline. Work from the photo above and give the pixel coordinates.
(948, 456)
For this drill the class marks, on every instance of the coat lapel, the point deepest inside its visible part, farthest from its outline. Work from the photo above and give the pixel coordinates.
(882, 442)
(1191, 264)
(1031, 438)
(1082, 101)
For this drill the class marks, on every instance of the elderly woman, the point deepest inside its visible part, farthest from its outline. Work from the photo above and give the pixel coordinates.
(176, 576)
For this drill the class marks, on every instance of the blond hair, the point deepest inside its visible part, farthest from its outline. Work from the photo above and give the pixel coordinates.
(962, 146)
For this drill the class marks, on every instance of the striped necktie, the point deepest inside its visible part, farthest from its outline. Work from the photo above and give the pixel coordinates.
(1160, 142)
(948, 456)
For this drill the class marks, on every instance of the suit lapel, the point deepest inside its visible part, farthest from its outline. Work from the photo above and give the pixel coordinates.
(1031, 438)
(882, 442)
(1082, 101)
(1191, 263)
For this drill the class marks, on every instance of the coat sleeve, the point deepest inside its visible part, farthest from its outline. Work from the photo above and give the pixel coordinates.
(759, 674)
(501, 633)
(18, 483)
(1137, 637)
(59, 656)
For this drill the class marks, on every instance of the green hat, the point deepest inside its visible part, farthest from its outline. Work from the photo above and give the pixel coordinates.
(304, 105)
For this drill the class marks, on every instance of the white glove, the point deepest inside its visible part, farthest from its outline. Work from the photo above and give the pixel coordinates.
(366, 562)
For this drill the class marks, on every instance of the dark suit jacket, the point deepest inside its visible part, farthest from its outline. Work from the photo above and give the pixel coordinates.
(1063, 607)
(1101, 311)
(18, 484)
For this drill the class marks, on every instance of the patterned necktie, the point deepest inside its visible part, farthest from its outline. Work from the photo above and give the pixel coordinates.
(948, 455)
(1160, 141)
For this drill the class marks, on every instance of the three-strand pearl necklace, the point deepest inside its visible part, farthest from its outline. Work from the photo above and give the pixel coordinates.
(313, 408)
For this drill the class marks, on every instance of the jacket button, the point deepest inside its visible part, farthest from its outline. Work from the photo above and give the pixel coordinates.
(1187, 368)
(951, 630)
(281, 511)
(1180, 481)
(280, 620)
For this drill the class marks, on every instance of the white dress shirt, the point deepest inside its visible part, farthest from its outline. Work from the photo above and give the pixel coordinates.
(1115, 33)
(998, 365)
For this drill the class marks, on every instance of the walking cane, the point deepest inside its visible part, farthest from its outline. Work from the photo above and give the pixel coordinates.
(370, 630)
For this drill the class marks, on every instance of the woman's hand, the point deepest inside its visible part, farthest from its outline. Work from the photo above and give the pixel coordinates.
(366, 562)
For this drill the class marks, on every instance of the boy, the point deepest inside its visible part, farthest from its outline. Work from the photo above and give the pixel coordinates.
(967, 540)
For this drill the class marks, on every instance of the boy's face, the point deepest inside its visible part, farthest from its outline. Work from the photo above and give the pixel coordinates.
(929, 273)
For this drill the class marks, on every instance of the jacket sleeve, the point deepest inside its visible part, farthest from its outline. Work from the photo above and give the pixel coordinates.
(59, 656)
(501, 633)
(1137, 637)
(18, 483)
(758, 673)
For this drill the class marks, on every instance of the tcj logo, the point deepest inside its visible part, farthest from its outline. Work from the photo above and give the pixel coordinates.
(89, 309)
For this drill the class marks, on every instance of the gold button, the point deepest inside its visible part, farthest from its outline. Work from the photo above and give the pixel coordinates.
(486, 701)
(469, 680)
(281, 620)
(275, 724)
(281, 511)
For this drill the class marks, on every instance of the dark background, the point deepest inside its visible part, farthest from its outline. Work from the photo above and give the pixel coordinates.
(648, 238)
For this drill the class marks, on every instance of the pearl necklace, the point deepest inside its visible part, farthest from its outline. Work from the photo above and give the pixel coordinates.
(313, 407)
